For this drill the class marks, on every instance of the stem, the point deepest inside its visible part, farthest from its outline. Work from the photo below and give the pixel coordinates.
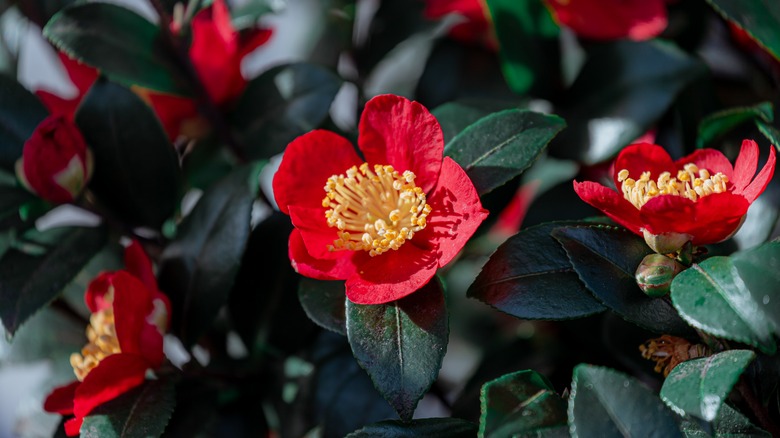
(206, 104)
(761, 413)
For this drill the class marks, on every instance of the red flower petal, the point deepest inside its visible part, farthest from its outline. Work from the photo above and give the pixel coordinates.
(138, 264)
(746, 165)
(60, 400)
(710, 159)
(402, 133)
(456, 213)
(73, 426)
(643, 157)
(132, 305)
(612, 19)
(307, 164)
(758, 185)
(668, 213)
(611, 203)
(96, 291)
(316, 234)
(718, 216)
(338, 268)
(57, 105)
(392, 275)
(115, 375)
(175, 113)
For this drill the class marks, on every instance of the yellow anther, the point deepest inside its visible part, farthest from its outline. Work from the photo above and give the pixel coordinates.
(381, 208)
(103, 342)
(691, 182)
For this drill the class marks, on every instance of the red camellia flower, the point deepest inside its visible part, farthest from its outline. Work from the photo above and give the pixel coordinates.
(81, 75)
(699, 198)
(384, 224)
(129, 317)
(477, 27)
(611, 19)
(216, 53)
(56, 163)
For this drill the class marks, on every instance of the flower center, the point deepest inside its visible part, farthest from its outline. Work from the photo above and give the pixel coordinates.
(374, 211)
(103, 342)
(691, 182)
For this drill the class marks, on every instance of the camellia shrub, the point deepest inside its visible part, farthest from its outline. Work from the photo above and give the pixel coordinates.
(393, 218)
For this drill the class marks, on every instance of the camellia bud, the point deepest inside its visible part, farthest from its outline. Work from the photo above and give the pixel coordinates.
(55, 163)
(655, 274)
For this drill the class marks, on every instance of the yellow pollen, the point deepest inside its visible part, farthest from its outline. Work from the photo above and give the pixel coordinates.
(691, 182)
(103, 342)
(374, 210)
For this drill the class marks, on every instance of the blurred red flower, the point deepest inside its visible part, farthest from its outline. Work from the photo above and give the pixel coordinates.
(637, 20)
(56, 163)
(699, 198)
(477, 27)
(129, 317)
(385, 225)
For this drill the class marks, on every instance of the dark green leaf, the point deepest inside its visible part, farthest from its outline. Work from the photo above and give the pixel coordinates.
(281, 104)
(401, 344)
(123, 45)
(137, 173)
(323, 302)
(605, 259)
(426, 427)
(529, 46)
(140, 413)
(759, 18)
(713, 297)
(20, 113)
(519, 404)
(11, 198)
(29, 282)
(262, 304)
(606, 403)
(759, 269)
(530, 277)
(199, 267)
(699, 387)
(608, 108)
(501, 146)
(454, 117)
(724, 121)
(769, 131)
(729, 423)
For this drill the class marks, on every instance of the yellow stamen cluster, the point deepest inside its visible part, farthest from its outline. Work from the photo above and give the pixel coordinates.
(103, 342)
(691, 182)
(374, 211)
(669, 351)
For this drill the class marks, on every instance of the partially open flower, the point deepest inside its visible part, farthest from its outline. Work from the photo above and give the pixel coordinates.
(56, 163)
(669, 351)
(385, 224)
(699, 198)
(125, 339)
(637, 20)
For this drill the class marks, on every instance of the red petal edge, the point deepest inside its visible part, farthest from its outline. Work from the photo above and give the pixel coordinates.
(611, 204)
(755, 188)
(114, 376)
(60, 400)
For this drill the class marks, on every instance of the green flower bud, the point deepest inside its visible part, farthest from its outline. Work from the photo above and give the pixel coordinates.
(655, 274)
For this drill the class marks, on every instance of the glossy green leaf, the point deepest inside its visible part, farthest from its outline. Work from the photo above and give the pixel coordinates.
(769, 131)
(608, 108)
(520, 404)
(729, 423)
(123, 45)
(724, 121)
(699, 387)
(759, 18)
(29, 281)
(714, 298)
(425, 427)
(140, 413)
(281, 104)
(323, 302)
(137, 173)
(759, 269)
(199, 267)
(607, 403)
(605, 258)
(530, 277)
(502, 145)
(401, 344)
(454, 117)
(528, 45)
(20, 113)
